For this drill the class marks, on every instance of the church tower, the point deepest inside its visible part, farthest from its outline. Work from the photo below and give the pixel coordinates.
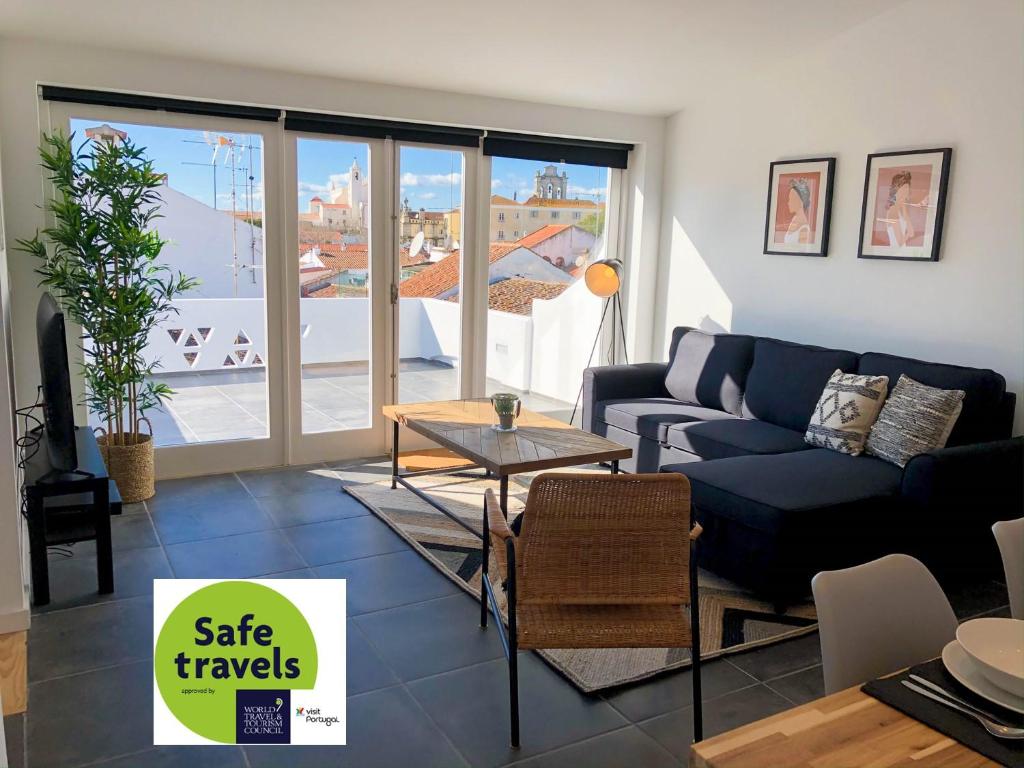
(357, 187)
(550, 185)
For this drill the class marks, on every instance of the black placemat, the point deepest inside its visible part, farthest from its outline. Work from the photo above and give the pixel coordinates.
(956, 725)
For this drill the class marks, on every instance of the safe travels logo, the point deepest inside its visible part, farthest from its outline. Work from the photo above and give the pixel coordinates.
(249, 662)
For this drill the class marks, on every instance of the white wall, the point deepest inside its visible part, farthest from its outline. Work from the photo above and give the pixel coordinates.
(24, 63)
(14, 612)
(199, 245)
(928, 73)
(509, 349)
(563, 335)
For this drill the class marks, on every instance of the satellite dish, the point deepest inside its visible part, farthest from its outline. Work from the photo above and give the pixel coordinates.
(416, 245)
(455, 245)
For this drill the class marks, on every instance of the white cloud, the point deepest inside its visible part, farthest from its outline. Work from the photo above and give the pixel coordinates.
(337, 179)
(495, 183)
(430, 179)
(427, 196)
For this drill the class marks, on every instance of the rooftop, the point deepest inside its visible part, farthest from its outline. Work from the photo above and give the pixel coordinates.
(516, 294)
(443, 275)
(540, 235)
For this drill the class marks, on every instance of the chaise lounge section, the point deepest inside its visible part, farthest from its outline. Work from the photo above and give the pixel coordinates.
(730, 412)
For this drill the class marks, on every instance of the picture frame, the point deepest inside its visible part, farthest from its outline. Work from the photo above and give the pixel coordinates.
(799, 210)
(904, 205)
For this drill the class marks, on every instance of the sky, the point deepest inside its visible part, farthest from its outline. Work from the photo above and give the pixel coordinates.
(429, 178)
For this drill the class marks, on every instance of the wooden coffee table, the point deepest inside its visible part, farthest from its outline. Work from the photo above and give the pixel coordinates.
(464, 427)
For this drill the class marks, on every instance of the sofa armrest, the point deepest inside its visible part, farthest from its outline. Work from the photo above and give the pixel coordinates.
(981, 480)
(620, 381)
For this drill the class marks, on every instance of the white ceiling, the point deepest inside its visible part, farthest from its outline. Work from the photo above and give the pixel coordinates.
(643, 56)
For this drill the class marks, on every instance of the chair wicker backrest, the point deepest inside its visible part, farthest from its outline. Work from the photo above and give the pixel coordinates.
(605, 540)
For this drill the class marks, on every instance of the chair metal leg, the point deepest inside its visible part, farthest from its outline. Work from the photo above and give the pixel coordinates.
(484, 569)
(698, 714)
(513, 647)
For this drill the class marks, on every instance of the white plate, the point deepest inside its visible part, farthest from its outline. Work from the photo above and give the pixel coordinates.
(963, 669)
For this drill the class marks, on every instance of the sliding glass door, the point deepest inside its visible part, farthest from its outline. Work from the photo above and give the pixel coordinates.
(547, 223)
(217, 350)
(428, 264)
(337, 277)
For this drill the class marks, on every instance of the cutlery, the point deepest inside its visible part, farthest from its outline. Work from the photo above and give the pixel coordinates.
(939, 689)
(996, 729)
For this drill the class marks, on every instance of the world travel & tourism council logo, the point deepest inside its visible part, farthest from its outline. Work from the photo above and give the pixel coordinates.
(228, 656)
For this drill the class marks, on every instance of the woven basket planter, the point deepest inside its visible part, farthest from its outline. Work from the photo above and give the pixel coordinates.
(131, 466)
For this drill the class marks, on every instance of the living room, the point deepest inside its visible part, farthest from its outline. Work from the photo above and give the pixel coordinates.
(565, 436)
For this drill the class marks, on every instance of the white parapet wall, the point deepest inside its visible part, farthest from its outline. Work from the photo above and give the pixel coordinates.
(563, 335)
(509, 344)
(545, 353)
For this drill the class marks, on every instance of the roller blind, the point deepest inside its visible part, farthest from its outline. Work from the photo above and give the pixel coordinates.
(369, 128)
(554, 149)
(139, 101)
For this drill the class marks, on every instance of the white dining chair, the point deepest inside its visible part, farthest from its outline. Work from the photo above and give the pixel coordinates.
(1010, 538)
(879, 617)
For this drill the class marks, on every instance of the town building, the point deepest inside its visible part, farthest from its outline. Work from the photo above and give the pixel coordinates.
(433, 225)
(345, 208)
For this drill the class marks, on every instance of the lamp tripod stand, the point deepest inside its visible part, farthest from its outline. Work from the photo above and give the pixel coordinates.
(603, 278)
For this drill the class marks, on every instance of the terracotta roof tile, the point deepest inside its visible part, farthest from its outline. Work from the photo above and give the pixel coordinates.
(500, 200)
(540, 202)
(516, 294)
(435, 279)
(542, 234)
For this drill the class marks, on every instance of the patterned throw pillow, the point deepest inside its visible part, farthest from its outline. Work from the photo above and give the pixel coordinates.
(916, 419)
(845, 412)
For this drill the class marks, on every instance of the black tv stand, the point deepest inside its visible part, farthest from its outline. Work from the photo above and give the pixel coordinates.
(66, 506)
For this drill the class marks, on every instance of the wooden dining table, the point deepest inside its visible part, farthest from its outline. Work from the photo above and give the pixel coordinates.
(846, 729)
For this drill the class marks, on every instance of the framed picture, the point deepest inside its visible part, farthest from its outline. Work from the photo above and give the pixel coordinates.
(799, 206)
(904, 205)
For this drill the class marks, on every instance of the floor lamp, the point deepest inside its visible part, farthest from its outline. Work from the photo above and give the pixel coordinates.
(604, 279)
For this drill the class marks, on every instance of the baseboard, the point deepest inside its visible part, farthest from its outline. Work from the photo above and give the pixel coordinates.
(14, 672)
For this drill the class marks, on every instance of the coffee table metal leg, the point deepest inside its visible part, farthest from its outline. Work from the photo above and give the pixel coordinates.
(394, 457)
(503, 495)
(615, 467)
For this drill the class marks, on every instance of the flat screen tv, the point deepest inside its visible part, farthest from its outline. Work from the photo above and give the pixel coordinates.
(58, 408)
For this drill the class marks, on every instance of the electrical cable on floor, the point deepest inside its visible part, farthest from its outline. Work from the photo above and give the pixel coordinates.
(28, 445)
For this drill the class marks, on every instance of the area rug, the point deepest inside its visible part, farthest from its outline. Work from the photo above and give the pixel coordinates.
(731, 619)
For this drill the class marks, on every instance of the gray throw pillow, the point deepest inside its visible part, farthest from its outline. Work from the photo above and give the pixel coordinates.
(915, 419)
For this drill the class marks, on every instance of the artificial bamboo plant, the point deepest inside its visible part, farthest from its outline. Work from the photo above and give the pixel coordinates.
(100, 258)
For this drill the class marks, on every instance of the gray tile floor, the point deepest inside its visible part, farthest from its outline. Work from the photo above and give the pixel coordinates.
(232, 405)
(426, 686)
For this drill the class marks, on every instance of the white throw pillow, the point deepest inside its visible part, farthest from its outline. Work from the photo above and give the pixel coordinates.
(845, 412)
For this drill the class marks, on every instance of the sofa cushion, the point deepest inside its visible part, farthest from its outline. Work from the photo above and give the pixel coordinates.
(710, 369)
(651, 416)
(769, 492)
(983, 417)
(787, 379)
(725, 438)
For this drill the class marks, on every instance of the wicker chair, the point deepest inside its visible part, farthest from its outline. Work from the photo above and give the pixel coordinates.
(603, 561)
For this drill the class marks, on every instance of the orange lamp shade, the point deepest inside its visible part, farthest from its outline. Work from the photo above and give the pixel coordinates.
(603, 277)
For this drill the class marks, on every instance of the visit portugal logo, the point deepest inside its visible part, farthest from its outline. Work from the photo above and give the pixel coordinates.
(258, 661)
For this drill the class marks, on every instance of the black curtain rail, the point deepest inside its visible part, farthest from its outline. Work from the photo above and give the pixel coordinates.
(139, 101)
(524, 146)
(369, 128)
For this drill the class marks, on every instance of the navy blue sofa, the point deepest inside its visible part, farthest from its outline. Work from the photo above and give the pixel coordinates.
(729, 411)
